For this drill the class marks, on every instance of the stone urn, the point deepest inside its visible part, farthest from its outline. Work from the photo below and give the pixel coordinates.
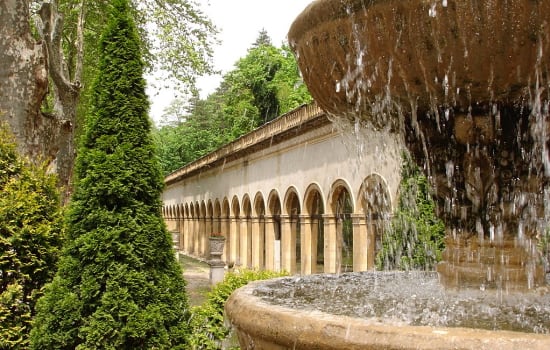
(217, 243)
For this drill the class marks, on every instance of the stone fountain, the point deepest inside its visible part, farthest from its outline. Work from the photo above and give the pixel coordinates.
(465, 84)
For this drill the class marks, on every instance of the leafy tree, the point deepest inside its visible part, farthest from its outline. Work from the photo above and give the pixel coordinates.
(118, 285)
(291, 90)
(415, 239)
(263, 39)
(30, 240)
(252, 80)
(263, 85)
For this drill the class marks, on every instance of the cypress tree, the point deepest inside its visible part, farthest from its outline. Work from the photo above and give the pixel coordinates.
(30, 240)
(119, 285)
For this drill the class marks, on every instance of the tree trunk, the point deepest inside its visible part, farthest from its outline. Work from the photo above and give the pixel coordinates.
(26, 66)
(23, 81)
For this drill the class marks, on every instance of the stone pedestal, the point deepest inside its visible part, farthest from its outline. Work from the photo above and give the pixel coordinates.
(217, 271)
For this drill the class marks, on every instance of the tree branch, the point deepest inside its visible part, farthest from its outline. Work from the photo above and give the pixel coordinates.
(52, 34)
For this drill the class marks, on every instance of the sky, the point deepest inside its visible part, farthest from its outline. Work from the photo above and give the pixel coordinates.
(239, 23)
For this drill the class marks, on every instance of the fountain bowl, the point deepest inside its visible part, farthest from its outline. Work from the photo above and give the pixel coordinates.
(356, 54)
(265, 315)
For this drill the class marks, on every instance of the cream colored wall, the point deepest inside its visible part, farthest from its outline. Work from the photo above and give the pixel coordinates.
(322, 156)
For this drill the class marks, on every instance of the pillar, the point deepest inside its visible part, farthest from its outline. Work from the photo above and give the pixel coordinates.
(288, 244)
(244, 242)
(234, 241)
(331, 244)
(361, 244)
(309, 246)
(269, 243)
(224, 229)
(257, 242)
(207, 232)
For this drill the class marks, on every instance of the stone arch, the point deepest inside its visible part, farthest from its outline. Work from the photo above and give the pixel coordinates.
(291, 240)
(187, 211)
(186, 228)
(246, 232)
(202, 230)
(258, 232)
(194, 227)
(208, 227)
(259, 204)
(177, 237)
(169, 216)
(234, 235)
(226, 229)
(273, 231)
(216, 217)
(341, 207)
(374, 204)
(313, 230)
(274, 203)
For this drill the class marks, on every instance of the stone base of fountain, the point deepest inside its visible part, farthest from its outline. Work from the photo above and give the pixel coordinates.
(291, 313)
(489, 265)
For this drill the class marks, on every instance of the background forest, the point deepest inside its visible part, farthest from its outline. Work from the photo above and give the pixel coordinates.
(263, 85)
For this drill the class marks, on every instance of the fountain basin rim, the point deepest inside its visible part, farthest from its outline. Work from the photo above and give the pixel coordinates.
(265, 323)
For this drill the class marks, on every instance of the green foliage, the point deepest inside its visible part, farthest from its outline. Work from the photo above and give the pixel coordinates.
(207, 324)
(30, 240)
(118, 285)
(264, 84)
(415, 239)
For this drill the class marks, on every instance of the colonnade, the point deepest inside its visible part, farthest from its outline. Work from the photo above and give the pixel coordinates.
(301, 231)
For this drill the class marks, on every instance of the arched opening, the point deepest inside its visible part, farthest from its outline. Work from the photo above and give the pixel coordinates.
(202, 231)
(186, 229)
(246, 233)
(291, 249)
(273, 230)
(258, 239)
(375, 202)
(234, 253)
(315, 209)
(342, 208)
(225, 225)
(216, 217)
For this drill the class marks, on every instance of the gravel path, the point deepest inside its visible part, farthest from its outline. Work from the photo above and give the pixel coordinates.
(196, 274)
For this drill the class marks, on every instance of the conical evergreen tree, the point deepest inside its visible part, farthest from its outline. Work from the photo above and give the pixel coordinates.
(119, 285)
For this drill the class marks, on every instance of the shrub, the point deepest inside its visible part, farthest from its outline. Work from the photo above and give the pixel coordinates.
(415, 238)
(207, 325)
(30, 240)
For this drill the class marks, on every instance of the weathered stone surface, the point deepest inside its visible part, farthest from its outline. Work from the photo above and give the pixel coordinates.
(263, 326)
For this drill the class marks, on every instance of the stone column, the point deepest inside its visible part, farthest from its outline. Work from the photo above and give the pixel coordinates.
(269, 243)
(207, 232)
(182, 234)
(362, 246)
(202, 238)
(257, 244)
(216, 227)
(193, 235)
(234, 241)
(224, 229)
(288, 244)
(331, 244)
(243, 244)
(309, 246)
